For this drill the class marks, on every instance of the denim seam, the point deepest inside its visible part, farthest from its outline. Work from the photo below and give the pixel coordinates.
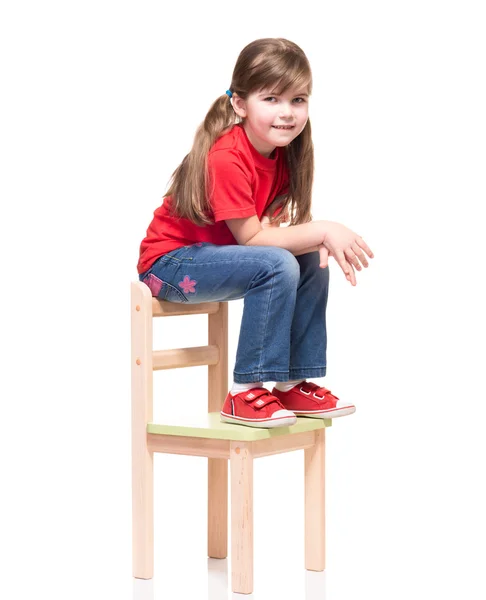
(265, 376)
(304, 368)
(228, 261)
(176, 290)
(279, 375)
(266, 321)
(286, 371)
(315, 372)
(272, 371)
(174, 258)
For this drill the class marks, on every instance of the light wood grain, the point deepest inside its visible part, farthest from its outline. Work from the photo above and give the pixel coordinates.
(179, 358)
(142, 413)
(315, 509)
(218, 467)
(163, 308)
(241, 460)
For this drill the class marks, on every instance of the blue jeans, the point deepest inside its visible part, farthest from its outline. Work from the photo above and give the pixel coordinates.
(283, 326)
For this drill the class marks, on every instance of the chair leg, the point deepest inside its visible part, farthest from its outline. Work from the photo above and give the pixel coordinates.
(143, 515)
(241, 461)
(142, 413)
(315, 522)
(217, 507)
(218, 467)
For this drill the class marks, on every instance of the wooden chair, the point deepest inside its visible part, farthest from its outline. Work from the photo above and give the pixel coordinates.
(206, 435)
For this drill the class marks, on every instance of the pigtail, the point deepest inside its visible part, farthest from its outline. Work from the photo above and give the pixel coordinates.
(189, 182)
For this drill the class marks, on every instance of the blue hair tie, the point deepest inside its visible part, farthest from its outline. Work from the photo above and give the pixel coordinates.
(229, 92)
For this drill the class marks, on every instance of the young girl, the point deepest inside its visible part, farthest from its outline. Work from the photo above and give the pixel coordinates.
(216, 237)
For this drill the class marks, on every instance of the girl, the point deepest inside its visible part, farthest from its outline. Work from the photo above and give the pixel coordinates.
(216, 237)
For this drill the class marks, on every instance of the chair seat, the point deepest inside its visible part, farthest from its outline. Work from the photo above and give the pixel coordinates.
(209, 426)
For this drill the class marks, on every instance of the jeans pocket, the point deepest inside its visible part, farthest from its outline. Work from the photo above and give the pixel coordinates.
(162, 290)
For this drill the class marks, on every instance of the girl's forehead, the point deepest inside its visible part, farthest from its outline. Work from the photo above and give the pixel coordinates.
(292, 91)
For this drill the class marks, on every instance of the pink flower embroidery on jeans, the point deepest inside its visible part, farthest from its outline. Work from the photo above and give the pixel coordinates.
(188, 285)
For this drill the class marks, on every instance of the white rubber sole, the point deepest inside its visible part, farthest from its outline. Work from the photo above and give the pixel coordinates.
(266, 423)
(331, 413)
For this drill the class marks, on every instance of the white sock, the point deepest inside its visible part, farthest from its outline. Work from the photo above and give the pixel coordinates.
(285, 386)
(243, 387)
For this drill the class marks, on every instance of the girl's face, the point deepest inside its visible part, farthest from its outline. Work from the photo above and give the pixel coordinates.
(272, 120)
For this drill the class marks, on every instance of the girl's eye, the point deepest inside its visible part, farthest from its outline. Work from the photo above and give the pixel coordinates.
(298, 100)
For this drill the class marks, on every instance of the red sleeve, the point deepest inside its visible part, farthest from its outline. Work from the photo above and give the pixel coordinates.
(230, 184)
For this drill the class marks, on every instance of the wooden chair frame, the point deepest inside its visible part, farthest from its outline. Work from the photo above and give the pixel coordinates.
(219, 442)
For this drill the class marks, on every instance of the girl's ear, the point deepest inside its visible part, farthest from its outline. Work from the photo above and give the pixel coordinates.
(239, 105)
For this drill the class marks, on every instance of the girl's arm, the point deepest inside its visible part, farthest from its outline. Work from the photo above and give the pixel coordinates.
(265, 222)
(249, 232)
(344, 245)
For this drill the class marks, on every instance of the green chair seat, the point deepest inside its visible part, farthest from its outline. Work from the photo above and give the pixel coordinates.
(209, 426)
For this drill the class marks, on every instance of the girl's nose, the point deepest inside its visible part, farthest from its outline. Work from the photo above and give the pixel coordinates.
(285, 109)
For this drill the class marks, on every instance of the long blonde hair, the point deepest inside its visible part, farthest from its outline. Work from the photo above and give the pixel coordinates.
(270, 63)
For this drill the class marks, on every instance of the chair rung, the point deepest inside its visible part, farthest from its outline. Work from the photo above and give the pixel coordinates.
(163, 308)
(185, 357)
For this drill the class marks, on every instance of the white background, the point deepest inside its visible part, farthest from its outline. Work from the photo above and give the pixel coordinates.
(99, 103)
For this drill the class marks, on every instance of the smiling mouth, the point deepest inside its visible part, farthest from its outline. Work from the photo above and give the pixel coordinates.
(287, 127)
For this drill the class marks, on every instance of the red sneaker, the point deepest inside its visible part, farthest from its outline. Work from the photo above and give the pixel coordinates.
(307, 399)
(256, 408)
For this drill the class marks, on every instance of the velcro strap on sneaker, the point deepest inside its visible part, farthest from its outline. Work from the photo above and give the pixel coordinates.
(259, 398)
(319, 392)
(323, 393)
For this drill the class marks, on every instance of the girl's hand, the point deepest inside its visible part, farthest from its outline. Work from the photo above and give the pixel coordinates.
(346, 247)
(323, 262)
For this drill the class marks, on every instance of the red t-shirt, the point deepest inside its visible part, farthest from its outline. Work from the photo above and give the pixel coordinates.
(245, 183)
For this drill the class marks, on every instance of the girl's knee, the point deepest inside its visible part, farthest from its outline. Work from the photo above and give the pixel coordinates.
(285, 263)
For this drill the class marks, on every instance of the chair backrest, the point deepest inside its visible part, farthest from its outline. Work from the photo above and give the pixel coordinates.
(145, 360)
